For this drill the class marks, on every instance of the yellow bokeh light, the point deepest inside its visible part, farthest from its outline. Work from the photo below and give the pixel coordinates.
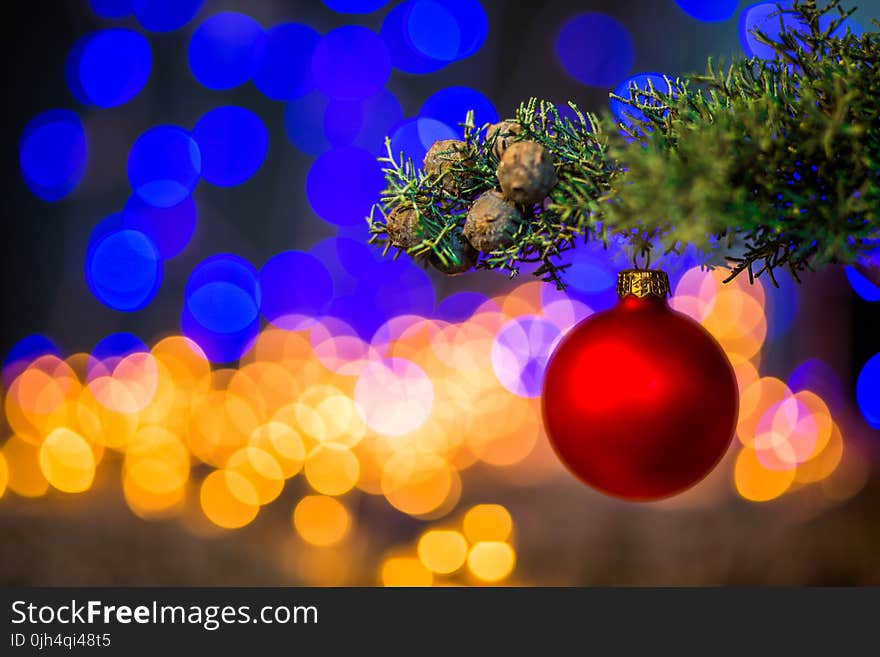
(491, 561)
(405, 571)
(325, 414)
(442, 551)
(4, 474)
(331, 469)
(22, 460)
(228, 499)
(67, 461)
(821, 465)
(261, 469)
(283, 443)
(417, 482)
(321, 520)
(487, 522)
(755, 482)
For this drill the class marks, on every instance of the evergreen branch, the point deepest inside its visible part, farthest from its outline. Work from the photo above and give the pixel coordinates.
(758, 164)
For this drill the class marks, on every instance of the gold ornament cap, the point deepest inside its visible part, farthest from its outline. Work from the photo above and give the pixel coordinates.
(642, 283)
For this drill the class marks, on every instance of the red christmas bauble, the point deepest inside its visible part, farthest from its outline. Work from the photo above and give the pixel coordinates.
(640, 401)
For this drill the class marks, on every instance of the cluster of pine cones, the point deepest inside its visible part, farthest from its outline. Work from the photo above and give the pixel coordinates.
(525, 176)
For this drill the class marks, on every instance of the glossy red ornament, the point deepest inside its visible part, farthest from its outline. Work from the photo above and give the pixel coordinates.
(640, 401)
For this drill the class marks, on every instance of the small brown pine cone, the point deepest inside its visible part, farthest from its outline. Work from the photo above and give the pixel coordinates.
(403, 228)
(465, 254)
(441, 157)
(503, 133)
(491, 222)
(526, 173)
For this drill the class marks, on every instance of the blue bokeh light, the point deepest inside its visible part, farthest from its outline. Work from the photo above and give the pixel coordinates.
(170, 228)
(445, 30)
(296, 288)
(165, 15)
(781, 304)
(819, 377)
(111, 8)
(765, 16)
(459, 307)
(232, 142)
(304, 123)
(23, 353)
(355, 6)
(414, 137)
(868, 391)
(862, 286)
(109, 67)
(380, 114)
(226, 50)
(109, 351)
(123, 267)
(351, 63)
(627, 114)
(344, 201)
(452, 104)
(52, 154)
(348, 261)
(285, 71)
(164, 165)
(222, 306)
(343, 120)
(595, 49)
(404, 55)
(710, 11)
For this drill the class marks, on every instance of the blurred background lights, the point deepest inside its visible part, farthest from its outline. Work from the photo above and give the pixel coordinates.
(52, 154)
(710, 11)
(170, 229)
(595, 49)
(124, 269)
(67, 461)
(520, 354)
(109, 67)
(355, 6)
(862, 286)
(110, 351)
(165, 15)
(442, 551)
(232, 142)
(414, 137)
(321, 520)
(445, 30)
(164, 166)
(451, 105)
(221, 308)
(868, 391)
(223, 293)
(351, 63)
(487, 522)
(285, 70)
(226, 50)
(491, 561)
(363, 181)
(304, 123)
(378, 114)
(403, 54)
(396, 396)
(23, 353)
(296, 288)
(111, 8)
